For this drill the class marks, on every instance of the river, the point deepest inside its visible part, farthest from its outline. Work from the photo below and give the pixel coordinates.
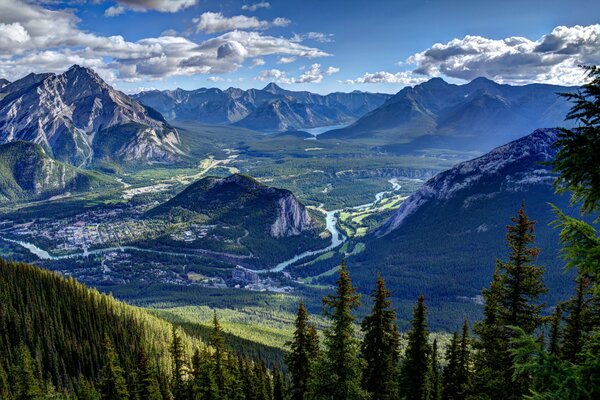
(337, 238)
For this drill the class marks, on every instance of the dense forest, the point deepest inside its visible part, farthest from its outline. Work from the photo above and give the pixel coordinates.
(62, 340)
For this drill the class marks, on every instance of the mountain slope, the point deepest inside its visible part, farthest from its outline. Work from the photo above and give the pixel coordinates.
(476, 116)
(260, 225)
(269, 109)
(444, 239)
(3, 83)
(78, 118)
(28, 173)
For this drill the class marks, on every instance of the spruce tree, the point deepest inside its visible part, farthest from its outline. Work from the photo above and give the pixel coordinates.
(342, 367)
(577, 320)
(511, 301)
(434, 376)
(112, 376)
(464, 362)
(217, 341)
(25, 383)
(380, 347)
(147, 385)
(415, 366)
(178, 366)
(278, 385)
(303, 352)
(451, 382)
(204, 385)
(554, 347)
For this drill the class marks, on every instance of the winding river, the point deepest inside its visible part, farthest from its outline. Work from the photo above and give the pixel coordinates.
(337, 238)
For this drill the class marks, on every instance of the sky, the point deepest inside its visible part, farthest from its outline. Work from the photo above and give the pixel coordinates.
(316, 45)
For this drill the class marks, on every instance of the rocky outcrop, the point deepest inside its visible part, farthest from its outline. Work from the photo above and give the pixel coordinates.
(292, 218)
(77, 118)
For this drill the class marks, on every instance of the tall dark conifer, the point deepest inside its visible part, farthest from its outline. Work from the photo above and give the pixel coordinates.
(217, 341)
(342, 367)
(416, 361)
(577, 320)
(25, 383)
(554, 346)
(434, 378)
(112, 375)
(303, 351)
(178, 386)
(451, 381)
(147, 387)
(380, 347)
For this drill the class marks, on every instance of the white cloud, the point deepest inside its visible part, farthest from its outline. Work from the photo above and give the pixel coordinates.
(170, 6)
(215, 79)
(314, 74)
(257, 62)
(551, 59)
(316, 36)
(35, 39)
(256, 6)
(211, 22)
(113, 11)
(405, 78)
(286, 60)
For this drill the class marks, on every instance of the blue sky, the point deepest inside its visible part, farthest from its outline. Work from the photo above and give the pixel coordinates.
(321, 46)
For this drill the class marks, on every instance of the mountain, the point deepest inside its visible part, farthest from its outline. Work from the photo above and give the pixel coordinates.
(28, 173)
(476, 116)
(79, 119)
(269, 109)
(3, 83)
(444, 239)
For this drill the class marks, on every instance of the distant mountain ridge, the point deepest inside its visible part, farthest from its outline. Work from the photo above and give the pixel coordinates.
(269, 109)
(79, 119)
(444, 239)
(478, 115)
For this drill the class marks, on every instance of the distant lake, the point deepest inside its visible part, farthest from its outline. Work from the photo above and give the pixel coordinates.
(322, 129)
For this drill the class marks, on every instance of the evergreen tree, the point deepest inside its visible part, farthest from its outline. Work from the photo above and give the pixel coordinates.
(511, 301)
(179, 368)
(464, 362)
(341, 368)
(555, 332)
(434, 378)
(217, 341)
(416, 361)
(577, 320)
(25, 383)
(112, 384)
(303, 351)
(380, 346)
(451, 382)
(278, 385)
(204, 385)
(147, 385)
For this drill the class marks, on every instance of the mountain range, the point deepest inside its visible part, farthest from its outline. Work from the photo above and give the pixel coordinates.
(478, 115)
(79, 119)
(269, 109)
(444, 239)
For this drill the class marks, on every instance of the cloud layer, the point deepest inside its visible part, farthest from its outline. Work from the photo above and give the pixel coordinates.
(313, 74)
(35, 39)
(212, 22)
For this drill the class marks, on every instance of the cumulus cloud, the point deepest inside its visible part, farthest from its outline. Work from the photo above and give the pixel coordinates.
(316, 36)
(286, 60)
(256, 6)
(215, 79)
(314, 74)
(551, 59)
(257, 62)
(212, 22)
(35, 39)
(405, 78)
(170, 6)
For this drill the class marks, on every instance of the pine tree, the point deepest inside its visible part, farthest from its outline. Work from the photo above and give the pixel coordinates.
(451, 382)
(217, 341)
(554, 347)
(303, 351)
(25, 383)
(204, 385)
(179, 368)
(511, 301)
(112, 385)
(434, 378)
(147, 385)
(417, 357)
(380, 346)
(464, 362)
(342, 367)
(576, 322)
(278, 385)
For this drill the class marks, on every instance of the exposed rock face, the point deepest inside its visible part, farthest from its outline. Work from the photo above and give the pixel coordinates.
(269, 109)
(292, 218)
(77, 118)
(510, 168)
(3, 83)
